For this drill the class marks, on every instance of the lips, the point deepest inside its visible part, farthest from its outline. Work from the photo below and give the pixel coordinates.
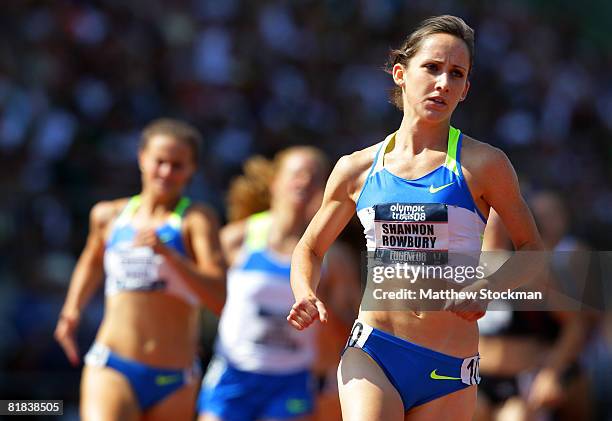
(437, 100)
(164, 184)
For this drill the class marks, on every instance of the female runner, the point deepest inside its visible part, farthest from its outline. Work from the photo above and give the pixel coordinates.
(415, 365)
(161, 257)
(263, 368)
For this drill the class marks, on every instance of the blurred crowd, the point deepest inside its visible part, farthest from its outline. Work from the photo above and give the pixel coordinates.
(79, 79)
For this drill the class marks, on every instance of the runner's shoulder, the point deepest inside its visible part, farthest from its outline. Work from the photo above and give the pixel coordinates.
(105, 211)
(200, 212)
(354, 167)
(201, 219)
(480, 157)
(233, 234)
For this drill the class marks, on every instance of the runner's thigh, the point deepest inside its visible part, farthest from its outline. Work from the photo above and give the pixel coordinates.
(177, 406)
(366, 394)
(456, 406)
(106, 395)
(207, 416)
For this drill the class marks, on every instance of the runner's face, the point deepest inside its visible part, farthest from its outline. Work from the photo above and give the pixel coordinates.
(435, 78)
(166, 165)
(299, 181)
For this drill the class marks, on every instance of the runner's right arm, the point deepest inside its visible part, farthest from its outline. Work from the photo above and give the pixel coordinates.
(336, 210)
(86, 279)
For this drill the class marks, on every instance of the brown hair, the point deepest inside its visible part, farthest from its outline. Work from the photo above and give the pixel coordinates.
(445, 24)
(249, 193)
(176, 129)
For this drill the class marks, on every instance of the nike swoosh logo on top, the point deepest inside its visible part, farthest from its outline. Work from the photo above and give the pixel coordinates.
(433, 189)
(165, 237)
(436, 376)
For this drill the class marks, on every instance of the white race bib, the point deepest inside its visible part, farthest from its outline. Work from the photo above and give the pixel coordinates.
(132, 268)
(470, 370)
(97, 356)
(412, 233)
(359, 335)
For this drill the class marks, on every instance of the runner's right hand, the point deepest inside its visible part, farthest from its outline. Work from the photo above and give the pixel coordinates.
(305, 311)
(65, 334)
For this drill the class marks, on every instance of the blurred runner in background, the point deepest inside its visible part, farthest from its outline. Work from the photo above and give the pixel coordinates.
(161, 257)
(530, 359)
(263, 369)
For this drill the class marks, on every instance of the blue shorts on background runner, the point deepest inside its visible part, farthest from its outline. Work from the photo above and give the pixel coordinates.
(233, 395)
(150, 384)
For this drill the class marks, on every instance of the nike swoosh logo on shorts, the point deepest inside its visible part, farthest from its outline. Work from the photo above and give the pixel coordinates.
(297, 406)
(162, 380)
(436, 376)
(433, 189)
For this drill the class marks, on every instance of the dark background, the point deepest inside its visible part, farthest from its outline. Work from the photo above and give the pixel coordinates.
(78, 80)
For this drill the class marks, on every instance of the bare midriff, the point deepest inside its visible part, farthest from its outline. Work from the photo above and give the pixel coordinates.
(440, 331)
(150, 327)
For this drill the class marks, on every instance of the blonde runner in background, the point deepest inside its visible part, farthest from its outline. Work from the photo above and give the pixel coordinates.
(262, 368)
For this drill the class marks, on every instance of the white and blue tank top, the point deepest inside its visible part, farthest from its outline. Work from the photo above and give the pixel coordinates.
(129, 268)
(434, 213)
(254, 334)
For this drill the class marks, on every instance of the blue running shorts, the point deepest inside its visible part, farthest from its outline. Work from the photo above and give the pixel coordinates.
(419, 374)
(234, 395)
(150, 384)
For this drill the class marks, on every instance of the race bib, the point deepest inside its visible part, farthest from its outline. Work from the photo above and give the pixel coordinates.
(97, 356)
(470, 370)
(411, 232)
(215, 370)
(274, 330)
(359, 335)
(135, 269)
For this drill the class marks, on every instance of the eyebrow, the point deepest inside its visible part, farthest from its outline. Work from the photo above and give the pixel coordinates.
(441, 62)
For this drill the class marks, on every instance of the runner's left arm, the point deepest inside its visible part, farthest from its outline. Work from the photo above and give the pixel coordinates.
(497, 185)
(205, 275)
(500, 190)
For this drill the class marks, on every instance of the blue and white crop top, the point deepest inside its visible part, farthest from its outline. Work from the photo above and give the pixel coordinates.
(254, 334)
(130, 268)
(434, 213)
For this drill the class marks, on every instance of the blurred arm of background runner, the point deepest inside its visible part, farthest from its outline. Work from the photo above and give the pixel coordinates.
(547, 389)
(86, 279)
(205, 277)
(560, 372)
(341, 289)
